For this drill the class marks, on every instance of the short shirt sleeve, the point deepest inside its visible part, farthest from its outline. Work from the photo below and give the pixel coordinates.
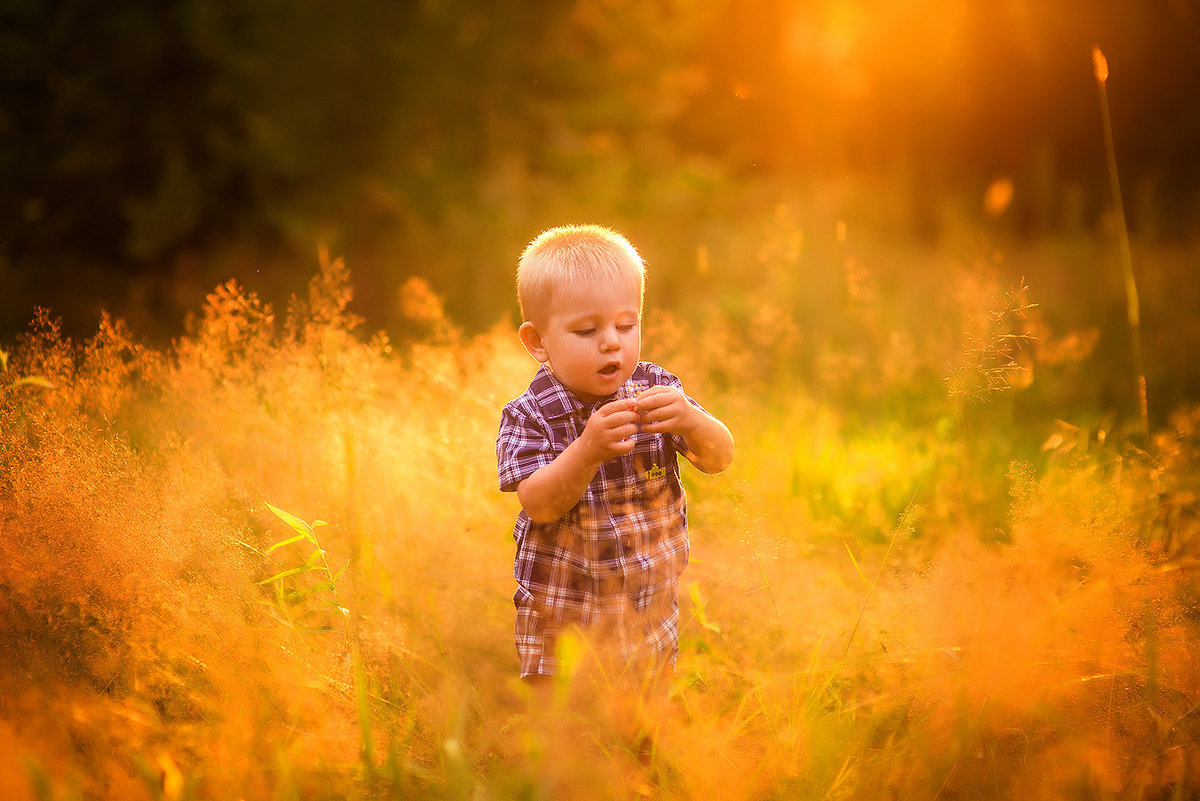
(523, 446)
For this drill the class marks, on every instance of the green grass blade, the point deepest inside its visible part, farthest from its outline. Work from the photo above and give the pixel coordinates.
(290, 572)
(854, 562)
(33, 381)
(366, 730)
(305, 592)
(293, 521)
(282, 543)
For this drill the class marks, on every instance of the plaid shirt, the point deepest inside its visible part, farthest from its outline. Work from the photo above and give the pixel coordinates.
(612, 564)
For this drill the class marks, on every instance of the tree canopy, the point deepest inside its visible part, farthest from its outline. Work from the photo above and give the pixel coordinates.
(433, 137)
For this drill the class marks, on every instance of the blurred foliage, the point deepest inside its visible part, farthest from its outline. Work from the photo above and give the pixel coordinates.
(153, 149)
(896, 592)
(806, 182)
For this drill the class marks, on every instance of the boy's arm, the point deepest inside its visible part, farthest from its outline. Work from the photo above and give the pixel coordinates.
(553, 489)
(710, 446)
(665, 409)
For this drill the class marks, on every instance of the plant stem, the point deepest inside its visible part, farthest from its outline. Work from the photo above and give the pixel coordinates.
(1132, 306)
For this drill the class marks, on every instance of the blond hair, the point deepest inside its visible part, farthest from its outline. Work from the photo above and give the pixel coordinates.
(575, 253)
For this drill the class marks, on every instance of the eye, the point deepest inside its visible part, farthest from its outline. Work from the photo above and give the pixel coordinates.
(585, 332)
(626, 327)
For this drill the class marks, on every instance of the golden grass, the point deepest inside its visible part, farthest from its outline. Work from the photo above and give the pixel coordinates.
(894, 594)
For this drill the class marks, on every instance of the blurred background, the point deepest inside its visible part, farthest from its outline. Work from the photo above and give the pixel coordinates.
(151, 150)
(883, 248)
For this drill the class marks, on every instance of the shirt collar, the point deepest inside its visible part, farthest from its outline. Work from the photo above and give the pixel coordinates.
(556, 400)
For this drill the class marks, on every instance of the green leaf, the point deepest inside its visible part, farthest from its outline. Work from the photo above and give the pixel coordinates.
(314, 557)
(314, 589)
(299, 596)
(293, 521)
(291, 572)
(282, 543)
(698, 605)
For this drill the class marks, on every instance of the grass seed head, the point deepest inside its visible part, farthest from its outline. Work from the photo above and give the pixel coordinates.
(1099, 65)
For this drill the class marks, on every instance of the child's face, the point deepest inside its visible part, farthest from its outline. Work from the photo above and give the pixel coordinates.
(591, 336)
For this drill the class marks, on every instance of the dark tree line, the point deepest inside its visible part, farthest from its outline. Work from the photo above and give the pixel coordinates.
(139, 138)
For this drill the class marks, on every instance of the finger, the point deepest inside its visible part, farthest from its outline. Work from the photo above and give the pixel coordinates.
(624, 418)
(608, 416)
(620, 433)
(655, 398)
(620, 428)
(651, 426)
(646, 393)
(661, 411)
(662, 423)
(622, 441)
(617, 407)
(648, 404)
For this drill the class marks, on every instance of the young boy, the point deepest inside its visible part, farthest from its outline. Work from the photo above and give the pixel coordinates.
(590, 449)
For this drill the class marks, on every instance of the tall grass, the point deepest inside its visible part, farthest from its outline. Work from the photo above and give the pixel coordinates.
(893, 593)
(1133, 313)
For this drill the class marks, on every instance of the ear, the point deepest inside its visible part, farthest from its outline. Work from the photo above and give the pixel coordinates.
(531, 338)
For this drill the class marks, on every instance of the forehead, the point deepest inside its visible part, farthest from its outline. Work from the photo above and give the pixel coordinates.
(598, 295)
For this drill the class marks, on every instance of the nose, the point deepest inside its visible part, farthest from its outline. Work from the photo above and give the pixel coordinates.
(609, 340)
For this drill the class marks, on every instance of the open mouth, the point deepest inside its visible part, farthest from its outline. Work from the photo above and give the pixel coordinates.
(610, 370)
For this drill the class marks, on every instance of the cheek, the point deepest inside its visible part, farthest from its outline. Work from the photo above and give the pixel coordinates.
(573, 355)
(568, 346)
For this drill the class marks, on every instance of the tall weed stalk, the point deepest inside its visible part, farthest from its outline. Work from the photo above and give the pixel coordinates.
(1133, 313)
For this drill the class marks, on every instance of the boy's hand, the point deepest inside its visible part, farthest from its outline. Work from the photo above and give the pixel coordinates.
(665, 410)
(609, 431)
(554, 489)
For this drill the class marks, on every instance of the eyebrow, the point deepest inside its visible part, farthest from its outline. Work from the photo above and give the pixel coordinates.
(591, 316)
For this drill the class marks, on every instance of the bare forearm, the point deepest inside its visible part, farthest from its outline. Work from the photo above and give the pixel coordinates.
(553, 490)
(710, 445)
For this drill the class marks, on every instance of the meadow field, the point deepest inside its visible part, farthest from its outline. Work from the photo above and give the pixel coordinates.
(269, 559)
